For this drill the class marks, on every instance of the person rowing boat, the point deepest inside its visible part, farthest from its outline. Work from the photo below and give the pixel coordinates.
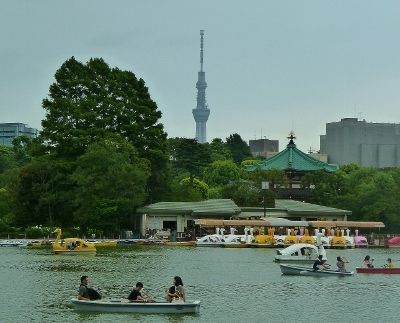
(320, 263)
(136, 296)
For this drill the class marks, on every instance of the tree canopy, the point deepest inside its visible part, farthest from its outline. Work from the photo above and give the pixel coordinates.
(239, 149)
(91, 101)
(110, 183)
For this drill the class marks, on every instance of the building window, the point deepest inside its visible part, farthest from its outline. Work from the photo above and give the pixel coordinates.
(169, 225)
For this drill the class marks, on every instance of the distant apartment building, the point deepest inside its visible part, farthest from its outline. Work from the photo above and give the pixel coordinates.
(364, 143)
(9, 131)
(264, 147)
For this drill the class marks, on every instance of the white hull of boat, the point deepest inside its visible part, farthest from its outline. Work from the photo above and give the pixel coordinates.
(293, 259)
(306, 271)
(209, 244)
(122, 306)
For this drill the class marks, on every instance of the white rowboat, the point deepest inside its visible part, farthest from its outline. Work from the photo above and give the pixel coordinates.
(123, 306)
(306, 271)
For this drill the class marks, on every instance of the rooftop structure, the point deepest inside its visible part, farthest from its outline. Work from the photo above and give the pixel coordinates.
(201, 113)
(11, 130)
(264, 147)
(364, 143)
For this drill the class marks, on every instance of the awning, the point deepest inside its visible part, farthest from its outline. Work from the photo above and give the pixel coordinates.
(232, 223)
(280, 222)
(345, 224)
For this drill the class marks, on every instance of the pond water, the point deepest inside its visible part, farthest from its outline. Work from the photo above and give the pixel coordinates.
(234, 285)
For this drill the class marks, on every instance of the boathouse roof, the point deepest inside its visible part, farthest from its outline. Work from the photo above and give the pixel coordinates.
(294, 207)
(222, 207)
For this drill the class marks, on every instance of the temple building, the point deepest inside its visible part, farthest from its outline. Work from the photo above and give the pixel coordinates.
(295, 164)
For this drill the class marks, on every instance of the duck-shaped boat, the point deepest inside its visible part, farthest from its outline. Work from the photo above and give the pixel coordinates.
(72, 245)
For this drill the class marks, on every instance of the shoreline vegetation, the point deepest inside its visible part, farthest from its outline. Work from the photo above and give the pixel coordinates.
(103, 152)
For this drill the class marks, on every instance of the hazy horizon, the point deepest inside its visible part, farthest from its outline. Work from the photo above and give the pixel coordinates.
(271, 66)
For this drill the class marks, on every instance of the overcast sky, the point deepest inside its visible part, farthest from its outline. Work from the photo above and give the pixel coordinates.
(271, 66)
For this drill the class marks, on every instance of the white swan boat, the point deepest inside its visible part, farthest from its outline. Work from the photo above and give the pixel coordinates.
(124, 306)
(307, 271)
(301, 253)
(212, 240)
(304, 253)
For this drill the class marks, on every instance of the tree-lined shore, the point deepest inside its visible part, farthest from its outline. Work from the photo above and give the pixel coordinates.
(103, 152)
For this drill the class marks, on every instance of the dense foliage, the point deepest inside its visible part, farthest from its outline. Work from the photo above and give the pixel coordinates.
(103, 153)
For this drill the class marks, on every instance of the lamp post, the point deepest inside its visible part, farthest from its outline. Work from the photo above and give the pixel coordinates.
(264, 187)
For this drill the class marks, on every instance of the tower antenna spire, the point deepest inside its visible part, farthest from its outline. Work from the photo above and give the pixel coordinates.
(201, 49)
(201, 112)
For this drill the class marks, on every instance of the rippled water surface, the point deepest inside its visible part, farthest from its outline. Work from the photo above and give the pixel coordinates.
(234, 285)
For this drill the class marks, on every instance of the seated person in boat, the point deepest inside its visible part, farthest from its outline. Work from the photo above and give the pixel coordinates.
(340, 263)
(176, 293)
(390, 264)
(368, 262)
(136, 296)
(170, 293)
(320, 263)
(86, 293)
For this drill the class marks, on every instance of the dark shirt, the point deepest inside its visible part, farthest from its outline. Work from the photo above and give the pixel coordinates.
(134, 295)
(83, 291)
(317, 263)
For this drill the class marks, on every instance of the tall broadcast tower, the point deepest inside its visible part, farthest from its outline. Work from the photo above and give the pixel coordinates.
(201, 112)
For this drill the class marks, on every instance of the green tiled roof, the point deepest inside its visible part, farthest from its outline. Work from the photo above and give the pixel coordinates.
(209, 207)
(298, 207)
(293, 207)
(292, 159)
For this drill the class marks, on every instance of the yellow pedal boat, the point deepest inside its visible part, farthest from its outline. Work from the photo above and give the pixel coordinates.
(72, 245)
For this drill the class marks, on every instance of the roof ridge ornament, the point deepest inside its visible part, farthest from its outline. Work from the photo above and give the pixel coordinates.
(291, 137)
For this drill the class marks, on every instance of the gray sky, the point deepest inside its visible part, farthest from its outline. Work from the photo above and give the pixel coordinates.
(271, 66)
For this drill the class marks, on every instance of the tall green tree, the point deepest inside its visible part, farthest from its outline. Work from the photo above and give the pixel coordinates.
(243, 193)
(222, 172)
(239, 149)
(44, 193)
(219, 150)
(7, 158)
(110, 183)
(21, 148)
(90, 101)
(190, 156)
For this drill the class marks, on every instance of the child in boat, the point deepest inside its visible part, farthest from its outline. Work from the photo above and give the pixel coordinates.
(368, 262)
(340, 263)
(390, 264)
(176, 292)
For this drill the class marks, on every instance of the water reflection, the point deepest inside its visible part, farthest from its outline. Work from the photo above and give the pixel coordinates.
(233, 285)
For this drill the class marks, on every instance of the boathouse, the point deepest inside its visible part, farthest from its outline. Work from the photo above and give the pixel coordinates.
(179, 218)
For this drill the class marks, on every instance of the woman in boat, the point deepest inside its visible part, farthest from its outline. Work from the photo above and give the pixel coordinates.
(176, 292)
(368, 262)
(390, 263)
(340, 263)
